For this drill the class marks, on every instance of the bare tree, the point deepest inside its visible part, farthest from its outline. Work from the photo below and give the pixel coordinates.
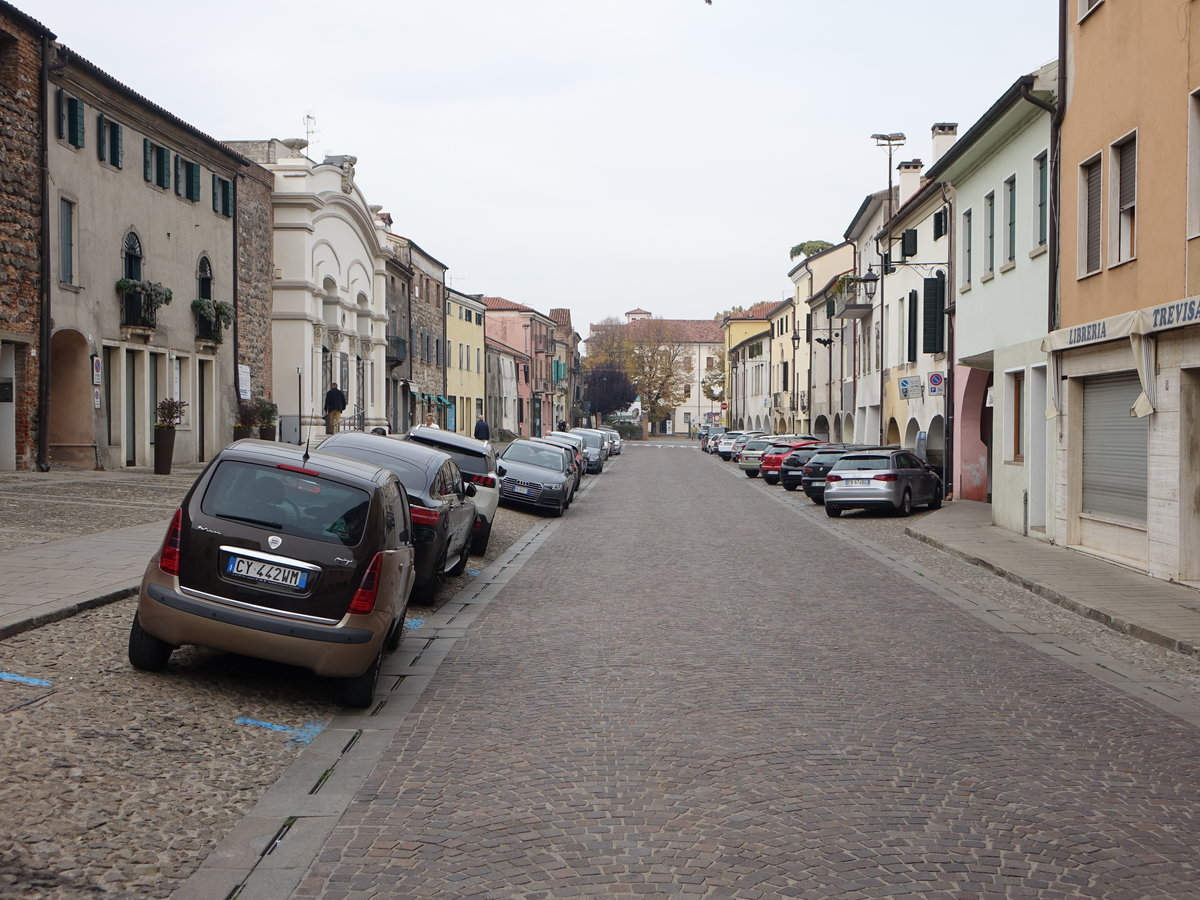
(660, 366)
(713, 384)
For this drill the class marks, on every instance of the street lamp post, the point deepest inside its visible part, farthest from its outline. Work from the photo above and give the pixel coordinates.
(891, 142)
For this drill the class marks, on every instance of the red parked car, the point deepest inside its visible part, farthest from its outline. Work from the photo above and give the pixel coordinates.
(773, 456)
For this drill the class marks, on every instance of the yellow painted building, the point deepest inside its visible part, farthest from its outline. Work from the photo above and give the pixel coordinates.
(465, 383)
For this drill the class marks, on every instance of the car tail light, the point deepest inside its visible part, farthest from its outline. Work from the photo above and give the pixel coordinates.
(168, 560)
(368, 589)
(886, 476)
(808, 470)
(829, 478)
(423, 515)
(485, 480)
(299, 469)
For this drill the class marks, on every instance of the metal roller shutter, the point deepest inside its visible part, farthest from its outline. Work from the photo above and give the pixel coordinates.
(1114, 448)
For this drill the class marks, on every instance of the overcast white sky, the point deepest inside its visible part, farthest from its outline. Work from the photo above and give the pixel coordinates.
(594, 154)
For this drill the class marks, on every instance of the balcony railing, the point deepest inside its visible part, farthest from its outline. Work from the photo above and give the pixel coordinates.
(207, 330)
(136, 312)
(397, 350)
(850, 305)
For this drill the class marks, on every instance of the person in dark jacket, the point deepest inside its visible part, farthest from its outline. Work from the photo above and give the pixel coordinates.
(335, 403)
(482, 431)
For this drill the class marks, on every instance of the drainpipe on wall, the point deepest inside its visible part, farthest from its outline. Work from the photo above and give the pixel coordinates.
(43, 424)
(1056, 118)
(237, 371)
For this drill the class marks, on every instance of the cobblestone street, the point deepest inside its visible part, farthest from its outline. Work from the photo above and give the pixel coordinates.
(701, 707)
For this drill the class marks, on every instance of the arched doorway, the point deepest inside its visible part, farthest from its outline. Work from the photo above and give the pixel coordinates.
(71, 428)
(848, 427)
(935, 447)
(821, 428)
(837, 429)
(911, 433)
(973, 437)
(893, 433)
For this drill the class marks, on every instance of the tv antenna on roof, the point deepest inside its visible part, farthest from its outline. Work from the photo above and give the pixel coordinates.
(310, 127)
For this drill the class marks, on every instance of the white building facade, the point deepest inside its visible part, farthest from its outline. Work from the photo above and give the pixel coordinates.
(329, 306)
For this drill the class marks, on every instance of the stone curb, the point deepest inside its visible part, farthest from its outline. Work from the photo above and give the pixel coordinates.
(1116, 623)
(69, 607)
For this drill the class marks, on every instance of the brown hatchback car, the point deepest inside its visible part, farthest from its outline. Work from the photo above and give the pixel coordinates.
(303, 560)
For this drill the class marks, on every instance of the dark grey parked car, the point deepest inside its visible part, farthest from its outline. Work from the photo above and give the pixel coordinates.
(881, 479)
(441, 503)
(535, 474)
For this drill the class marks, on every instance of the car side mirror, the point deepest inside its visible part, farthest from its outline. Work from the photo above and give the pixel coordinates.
(500, 470)
(469, 489)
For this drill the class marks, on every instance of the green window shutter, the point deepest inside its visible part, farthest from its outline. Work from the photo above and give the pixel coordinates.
(75, 122)
(147, 159)
(194, 183)
(934, 332)
(808, 328)
(60, 112)
(163, 165)
(912, 326)
(908, 243)
(216, 202)
(178, 181)
(116, 153)
(101, 136)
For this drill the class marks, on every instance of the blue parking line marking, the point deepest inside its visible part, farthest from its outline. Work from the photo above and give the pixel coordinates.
(302, 735)
(413, 623)
(21, 679)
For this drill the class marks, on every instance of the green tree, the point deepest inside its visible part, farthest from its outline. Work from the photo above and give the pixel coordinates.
(713, 384)
(808, 248)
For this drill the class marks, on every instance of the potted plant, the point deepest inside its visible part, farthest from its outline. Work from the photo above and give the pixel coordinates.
(212, 317)
(168, 414)
(247, 420)
(268, 413)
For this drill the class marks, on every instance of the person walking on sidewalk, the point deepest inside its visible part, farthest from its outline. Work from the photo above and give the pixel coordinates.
(335, 403)
(482, 431)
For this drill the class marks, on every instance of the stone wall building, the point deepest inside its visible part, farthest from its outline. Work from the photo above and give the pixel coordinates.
(22, 41)
(427, 331)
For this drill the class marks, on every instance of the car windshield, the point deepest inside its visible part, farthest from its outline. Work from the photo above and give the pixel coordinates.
(590, 440)
(825, 457)
(546, 457)
(863, 463)
(288, 502)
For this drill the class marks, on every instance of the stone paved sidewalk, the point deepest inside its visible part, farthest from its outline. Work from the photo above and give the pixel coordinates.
(1154, 610)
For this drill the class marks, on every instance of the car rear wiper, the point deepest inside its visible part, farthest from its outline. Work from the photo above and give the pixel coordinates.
(251, 521)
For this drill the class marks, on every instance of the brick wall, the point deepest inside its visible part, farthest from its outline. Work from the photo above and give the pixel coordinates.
(20, 216)
(256, 272)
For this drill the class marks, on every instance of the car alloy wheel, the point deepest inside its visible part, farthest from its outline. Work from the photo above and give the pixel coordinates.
(832, 511)
(906, 503)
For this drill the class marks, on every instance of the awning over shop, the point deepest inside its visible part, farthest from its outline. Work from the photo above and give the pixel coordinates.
(442, 401)
(1141, 327)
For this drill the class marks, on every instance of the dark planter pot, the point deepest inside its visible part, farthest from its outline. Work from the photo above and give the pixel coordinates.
(266, 432)
(242, 431)
(164, 450)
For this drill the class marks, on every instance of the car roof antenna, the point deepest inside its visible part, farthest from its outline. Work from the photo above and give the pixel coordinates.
(308, 440)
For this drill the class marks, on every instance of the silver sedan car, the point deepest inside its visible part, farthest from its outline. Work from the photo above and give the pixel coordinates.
(881, 479)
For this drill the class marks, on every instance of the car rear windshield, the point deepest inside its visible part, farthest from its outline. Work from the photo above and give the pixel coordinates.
(289, 502)
(781, 448)
(863, 463)
(547, 457)
(757, 445)
(825, 457)
(799, 457)
(589, 440)
(473, 463)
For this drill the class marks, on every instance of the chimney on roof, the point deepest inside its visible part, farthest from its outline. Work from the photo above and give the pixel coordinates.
(944, 136)
(910, 179)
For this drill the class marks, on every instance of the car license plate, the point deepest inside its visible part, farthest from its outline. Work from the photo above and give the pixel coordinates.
(517, 489)
(858, 482)
(264, 571)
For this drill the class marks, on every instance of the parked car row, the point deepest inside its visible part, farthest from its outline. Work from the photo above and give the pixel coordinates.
(311, 559)
(839, 476)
